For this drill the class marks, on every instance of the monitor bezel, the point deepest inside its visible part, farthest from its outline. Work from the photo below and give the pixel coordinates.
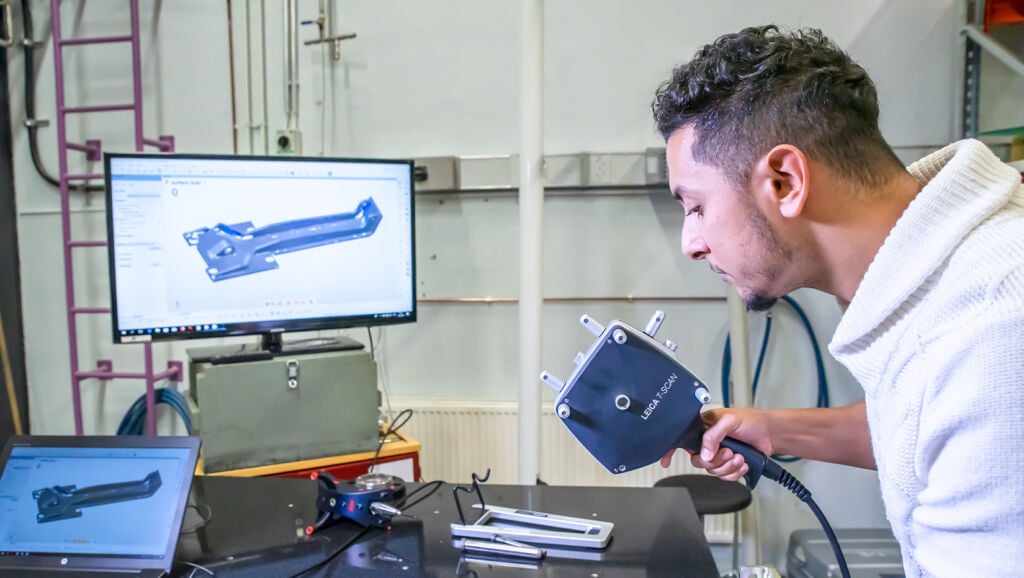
(270, 330)
(62, 562)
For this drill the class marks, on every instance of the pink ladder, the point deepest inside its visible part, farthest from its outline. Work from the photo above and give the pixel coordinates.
(92, 148)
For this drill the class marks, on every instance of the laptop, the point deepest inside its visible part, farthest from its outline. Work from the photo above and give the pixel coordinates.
(93, 505)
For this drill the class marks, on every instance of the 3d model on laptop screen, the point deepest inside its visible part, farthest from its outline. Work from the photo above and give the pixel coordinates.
(63, 502)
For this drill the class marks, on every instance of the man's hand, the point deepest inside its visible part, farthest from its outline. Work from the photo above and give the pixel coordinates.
(744, 424)
(837, 435)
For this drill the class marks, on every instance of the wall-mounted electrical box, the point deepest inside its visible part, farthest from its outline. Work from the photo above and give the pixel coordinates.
(655, 166)
(436, 174)
(289, 142)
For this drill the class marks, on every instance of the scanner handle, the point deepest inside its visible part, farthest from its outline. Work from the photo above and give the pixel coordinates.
(756, 461)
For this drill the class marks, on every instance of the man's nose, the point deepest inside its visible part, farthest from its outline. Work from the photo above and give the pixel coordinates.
(693, 243)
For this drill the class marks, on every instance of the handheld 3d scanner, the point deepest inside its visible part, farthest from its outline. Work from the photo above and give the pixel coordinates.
(630, 401)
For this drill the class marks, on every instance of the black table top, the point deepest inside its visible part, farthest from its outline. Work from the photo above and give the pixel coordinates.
(257, 528)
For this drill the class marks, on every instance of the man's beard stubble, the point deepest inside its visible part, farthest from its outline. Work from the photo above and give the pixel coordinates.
(760, 301)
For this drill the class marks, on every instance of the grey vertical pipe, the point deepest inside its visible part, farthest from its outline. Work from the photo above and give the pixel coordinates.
(291, 63)
(248, 76)
(531, 204)
(743, 396)
(263, 76)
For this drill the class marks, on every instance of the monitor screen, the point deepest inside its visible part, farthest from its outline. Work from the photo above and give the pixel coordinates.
(210, 246)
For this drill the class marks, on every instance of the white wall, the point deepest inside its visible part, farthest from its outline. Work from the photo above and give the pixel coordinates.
(440, 78)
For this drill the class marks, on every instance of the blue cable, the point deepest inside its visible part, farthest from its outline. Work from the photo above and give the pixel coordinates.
(134, 419)
(760, 356)
(823, 397)
(823, 400)
(727, 362)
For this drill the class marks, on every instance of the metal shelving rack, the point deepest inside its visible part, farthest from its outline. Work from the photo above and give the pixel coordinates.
(979, 16)
(92, 148)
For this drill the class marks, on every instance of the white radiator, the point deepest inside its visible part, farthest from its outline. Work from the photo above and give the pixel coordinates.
(460, 438)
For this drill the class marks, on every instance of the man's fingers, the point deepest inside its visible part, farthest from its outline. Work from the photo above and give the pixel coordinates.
(728, 466)
(666, 460)
(736, 475)
(714, 435)
(724, 464)
(720, 458)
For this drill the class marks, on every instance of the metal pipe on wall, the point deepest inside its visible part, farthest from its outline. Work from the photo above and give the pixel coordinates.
(263, 77)
(531, 204)
(248, 77)
(291, 63)
(231, 74)
(330, 90)
(740, 350)
(742, 395)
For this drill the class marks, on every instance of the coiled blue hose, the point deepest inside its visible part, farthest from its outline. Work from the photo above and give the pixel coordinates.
(134, 419)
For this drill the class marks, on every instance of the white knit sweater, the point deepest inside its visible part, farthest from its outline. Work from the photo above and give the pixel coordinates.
(935, 335)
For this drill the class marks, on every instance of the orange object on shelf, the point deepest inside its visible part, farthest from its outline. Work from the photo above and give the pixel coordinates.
(1003, 12)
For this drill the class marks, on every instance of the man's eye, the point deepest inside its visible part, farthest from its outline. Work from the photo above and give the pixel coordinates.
(696, 210)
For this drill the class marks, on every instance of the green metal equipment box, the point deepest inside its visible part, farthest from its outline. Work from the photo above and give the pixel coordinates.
(285, 409)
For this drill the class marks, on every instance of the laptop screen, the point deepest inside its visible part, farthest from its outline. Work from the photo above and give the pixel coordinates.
(93, 502)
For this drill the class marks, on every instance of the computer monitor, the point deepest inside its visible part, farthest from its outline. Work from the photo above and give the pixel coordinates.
(214, 245)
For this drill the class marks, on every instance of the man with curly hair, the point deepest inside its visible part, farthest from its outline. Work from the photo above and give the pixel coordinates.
(775, 154)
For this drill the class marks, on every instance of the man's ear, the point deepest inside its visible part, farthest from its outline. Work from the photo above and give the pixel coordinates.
(783, 176)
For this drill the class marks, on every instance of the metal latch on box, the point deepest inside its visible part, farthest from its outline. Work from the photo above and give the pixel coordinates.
(293, 373)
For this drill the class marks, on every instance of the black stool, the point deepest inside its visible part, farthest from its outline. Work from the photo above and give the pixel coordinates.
(712, 495)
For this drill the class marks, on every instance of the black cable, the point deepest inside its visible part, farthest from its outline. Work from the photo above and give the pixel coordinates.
(832, 540)
(405, 503)
(335, 553)
(30, 103)
(392, 428)
(369, 337)
(774, 471)
(205, 518)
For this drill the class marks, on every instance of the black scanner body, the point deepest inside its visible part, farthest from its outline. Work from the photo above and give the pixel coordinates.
(629, 400)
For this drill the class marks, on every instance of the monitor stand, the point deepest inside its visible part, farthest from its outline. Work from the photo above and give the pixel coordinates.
(271, 346)
(272, 342)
